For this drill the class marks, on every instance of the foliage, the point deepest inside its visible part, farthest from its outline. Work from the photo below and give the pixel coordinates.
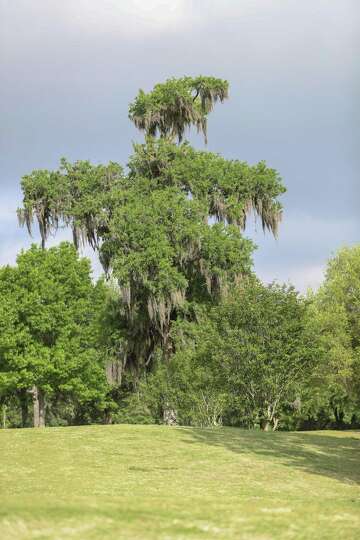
(177, 104)
(188, 388)
(244, 363)
(334, 393)
(77, 195)
(342, 287)
(263, 349)
(48, 308)
(181, 329)
(169, 232)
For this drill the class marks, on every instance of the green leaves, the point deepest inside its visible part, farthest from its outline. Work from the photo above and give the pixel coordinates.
(77, 195)
(48, 307)
(177, 104)
(169, 232)
(336, 310)
(228, 190)
(260, 348)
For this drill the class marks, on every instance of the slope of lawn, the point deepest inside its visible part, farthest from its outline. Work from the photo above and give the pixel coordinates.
(153, 482)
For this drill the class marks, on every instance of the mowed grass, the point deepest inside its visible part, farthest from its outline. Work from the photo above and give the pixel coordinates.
(154, 482)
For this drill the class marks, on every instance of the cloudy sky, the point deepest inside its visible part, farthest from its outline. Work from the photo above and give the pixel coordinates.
(69, 68)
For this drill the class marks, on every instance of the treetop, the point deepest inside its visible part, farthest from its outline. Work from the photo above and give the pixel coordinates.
(177, 104)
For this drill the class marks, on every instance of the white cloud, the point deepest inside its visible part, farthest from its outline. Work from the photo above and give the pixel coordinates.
(94, 17)
(299, 256)
(129, 16)
(303, 278)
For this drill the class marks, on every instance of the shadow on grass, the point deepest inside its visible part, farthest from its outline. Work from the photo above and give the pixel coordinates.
(334, 456)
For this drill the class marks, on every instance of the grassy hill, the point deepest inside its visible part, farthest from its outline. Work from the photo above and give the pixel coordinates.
(153, 482)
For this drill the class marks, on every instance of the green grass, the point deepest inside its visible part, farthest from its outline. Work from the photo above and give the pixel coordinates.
(153, 482)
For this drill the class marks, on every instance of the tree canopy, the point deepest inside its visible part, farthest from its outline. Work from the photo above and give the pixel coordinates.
(169, 230)
(48, 307)
(246, 362)
(179, 329)
(336, 308)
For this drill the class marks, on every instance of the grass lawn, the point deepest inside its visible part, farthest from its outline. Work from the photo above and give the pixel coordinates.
(153, 482)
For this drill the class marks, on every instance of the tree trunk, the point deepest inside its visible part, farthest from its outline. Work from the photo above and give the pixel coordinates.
(169, 415)
(39, 407)
(269, 421)
(265, 425)
(107, 417)
(339, 417)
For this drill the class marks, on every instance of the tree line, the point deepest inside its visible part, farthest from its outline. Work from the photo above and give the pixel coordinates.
(179, 329)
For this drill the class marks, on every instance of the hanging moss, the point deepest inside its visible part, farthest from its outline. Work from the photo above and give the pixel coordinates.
(169, 232)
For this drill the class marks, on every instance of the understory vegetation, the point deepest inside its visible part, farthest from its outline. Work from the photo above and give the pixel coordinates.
(179, 330)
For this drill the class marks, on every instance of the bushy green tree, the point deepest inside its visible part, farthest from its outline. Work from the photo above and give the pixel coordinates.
(264, 349)
(48, 306)
(334, 393)
(342, 287)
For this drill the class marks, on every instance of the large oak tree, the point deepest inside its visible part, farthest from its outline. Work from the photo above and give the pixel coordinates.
(169, 229)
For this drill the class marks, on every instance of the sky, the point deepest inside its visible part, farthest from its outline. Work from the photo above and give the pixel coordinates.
(69, 69)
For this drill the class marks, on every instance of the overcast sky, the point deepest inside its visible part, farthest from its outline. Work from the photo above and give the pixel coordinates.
(69, 69)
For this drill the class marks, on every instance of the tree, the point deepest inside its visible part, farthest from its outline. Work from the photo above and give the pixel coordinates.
(336, 307)
(47, 310)
(262, 349)
(342, 286)
(169, 231)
